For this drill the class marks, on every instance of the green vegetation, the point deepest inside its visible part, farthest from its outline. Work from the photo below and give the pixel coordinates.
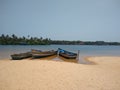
(63, 42)
(14, 40)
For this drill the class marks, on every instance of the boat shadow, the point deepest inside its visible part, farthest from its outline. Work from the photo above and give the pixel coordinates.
(56, 58)
(68, 60)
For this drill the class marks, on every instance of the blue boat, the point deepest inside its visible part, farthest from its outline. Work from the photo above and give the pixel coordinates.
(67, 54)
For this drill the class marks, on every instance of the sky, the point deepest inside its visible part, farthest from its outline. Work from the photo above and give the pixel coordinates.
(85, 20)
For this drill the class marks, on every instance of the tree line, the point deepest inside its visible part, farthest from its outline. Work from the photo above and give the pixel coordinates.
(15, 40)
(63, 42)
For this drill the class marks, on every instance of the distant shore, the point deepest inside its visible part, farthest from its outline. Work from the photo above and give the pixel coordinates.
(15, 40)
(28, 74)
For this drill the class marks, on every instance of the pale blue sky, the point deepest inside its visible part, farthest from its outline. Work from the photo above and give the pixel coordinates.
(86, 20)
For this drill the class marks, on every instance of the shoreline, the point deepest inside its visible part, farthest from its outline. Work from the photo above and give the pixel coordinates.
(86, 60)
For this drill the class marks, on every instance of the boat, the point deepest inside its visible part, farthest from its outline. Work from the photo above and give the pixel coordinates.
(43, 54)
(67, 54)
(35, 51)
(21, 56)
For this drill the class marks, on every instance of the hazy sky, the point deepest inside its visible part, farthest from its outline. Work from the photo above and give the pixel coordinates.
(62, 19)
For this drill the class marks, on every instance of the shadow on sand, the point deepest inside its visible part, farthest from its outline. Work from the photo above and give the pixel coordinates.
(59, 58)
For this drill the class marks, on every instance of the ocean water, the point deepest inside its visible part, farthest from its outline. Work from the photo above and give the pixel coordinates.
(85, 50)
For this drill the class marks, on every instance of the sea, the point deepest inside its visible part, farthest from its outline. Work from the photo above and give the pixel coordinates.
(85, 50)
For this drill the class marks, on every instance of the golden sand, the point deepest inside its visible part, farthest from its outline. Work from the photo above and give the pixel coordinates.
(55, 75)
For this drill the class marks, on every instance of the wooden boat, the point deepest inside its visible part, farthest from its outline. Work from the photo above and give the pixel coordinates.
(21, 56)
(67, 54)
(44, 54)
(35, 51)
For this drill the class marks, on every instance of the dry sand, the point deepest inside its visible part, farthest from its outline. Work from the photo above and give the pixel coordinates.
(55, 75)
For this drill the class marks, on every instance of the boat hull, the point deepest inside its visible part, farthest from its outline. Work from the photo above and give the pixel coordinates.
(44, 54)
(21, 56)
(67, 54)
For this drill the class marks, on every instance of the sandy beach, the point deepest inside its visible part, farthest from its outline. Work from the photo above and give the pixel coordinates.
(27, 74)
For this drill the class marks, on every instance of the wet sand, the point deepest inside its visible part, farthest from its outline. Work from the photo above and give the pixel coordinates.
(28, 74)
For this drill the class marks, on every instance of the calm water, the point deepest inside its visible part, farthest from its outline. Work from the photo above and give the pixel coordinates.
(85, 50)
